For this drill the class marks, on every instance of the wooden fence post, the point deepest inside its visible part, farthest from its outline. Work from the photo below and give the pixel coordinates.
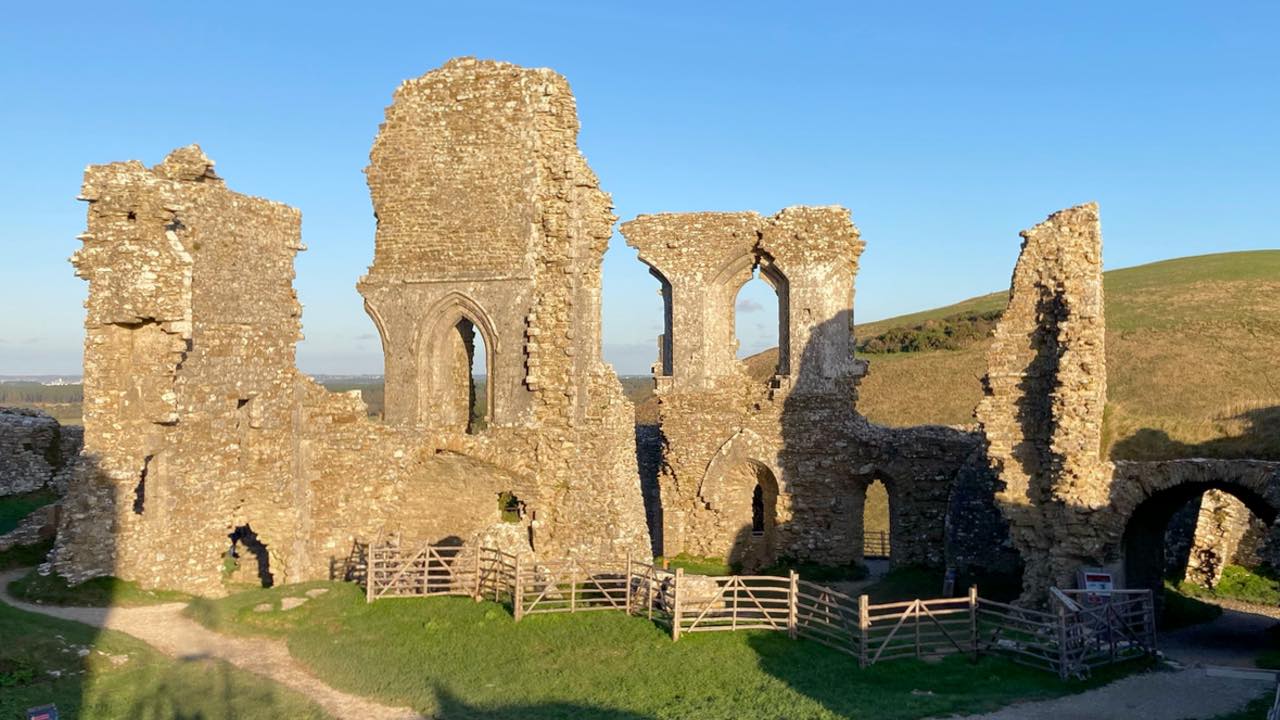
(1063, 654)
(650, 587)
(792, 601)
(973, 620)
(675, 604)
(517, 593)
(368, 576)
(734, 585)
(573, 586)
(628, 581)
(864, 624)
(478, 591)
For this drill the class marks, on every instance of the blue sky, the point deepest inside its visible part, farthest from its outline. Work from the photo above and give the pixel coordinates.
(945, 128)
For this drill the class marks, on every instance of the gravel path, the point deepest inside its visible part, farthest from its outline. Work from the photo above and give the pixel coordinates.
(1233, 639)
(1193, 694)
(164, 628)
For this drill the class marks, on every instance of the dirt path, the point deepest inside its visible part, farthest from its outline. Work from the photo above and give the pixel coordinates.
(1194, 694)
(164, 628)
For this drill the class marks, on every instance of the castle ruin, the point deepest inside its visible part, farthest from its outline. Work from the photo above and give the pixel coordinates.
(201, 434)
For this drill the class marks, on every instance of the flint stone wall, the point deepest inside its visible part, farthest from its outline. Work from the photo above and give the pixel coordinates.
(36, 452)
(197, 421)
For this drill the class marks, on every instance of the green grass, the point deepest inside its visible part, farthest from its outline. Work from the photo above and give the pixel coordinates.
(1255, 586)
(464, 659)
(119, 677)
(813, 572)
(99, 592)
(13, 508)
(1259, 586)
(695, 565)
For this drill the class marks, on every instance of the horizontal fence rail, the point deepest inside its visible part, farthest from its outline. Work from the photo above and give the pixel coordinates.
(1081, 631)
(875, 544)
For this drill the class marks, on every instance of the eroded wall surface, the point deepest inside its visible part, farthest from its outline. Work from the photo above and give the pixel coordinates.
(36, 452)
(795, 433)
(197, 422)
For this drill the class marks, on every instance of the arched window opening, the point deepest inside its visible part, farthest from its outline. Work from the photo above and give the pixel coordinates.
(755, 320)
(757, 511)
(247, 558)
(466, 393)
(876, 521)
(663, 366)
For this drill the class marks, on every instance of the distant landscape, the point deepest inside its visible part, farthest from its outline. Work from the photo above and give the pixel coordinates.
(1193, 354)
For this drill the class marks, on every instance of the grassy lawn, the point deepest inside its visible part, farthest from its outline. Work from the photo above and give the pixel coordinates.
(95, 674)
(13, 508)
(471, 660)
(1258, 586)
(98, 592)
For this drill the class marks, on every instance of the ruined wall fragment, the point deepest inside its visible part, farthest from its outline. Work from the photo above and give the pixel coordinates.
(489, 215)
(1045, 393)
(36, 452)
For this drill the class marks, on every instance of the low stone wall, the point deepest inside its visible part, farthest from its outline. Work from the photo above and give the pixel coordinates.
(35, 451)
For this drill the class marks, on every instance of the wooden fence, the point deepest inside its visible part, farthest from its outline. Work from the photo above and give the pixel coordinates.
(1081, 630)
(875, 544)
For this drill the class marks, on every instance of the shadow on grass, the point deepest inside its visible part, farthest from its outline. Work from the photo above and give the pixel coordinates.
(450, 706)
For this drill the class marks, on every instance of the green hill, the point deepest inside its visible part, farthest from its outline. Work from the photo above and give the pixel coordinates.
(1193, 360)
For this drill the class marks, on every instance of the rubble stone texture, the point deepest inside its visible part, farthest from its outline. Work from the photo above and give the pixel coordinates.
(200, 432)
(796, 435)
(1220, 526)
(1042, 419)
(36, 452)
(197, 422)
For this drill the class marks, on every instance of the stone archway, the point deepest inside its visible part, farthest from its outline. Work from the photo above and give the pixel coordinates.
(742, 491)
(1164, 488)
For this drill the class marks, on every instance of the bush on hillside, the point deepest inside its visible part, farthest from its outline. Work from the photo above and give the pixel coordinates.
(953, 332)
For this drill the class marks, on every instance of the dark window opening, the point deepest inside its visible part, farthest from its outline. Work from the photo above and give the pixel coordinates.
(757, 511)
(241, 403)
(133, 215)
(140, 492)
(244, 539)
(473, 376)
(510, 507)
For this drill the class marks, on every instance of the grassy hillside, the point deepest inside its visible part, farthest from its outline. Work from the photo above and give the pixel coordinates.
(1193, 357)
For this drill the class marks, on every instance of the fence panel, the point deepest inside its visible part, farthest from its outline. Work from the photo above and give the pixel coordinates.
(429, 570)
(734, 602)
(828, 617)
(572, 586)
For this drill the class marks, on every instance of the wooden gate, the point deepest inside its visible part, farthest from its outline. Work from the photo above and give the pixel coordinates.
(920, 628)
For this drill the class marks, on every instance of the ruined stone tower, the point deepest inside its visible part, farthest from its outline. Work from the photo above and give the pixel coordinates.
(200, 432)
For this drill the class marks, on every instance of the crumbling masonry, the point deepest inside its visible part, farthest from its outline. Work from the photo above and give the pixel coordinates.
(200, 432)
(199, 428)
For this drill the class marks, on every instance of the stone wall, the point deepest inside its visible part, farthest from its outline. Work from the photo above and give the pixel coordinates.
(36, 452)
(726, 429)
(199, 429)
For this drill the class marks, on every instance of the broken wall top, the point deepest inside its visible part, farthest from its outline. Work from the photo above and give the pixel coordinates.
(463, 166)
(702, 243)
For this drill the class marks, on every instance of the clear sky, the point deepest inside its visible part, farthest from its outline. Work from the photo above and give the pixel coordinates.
(945, 128)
